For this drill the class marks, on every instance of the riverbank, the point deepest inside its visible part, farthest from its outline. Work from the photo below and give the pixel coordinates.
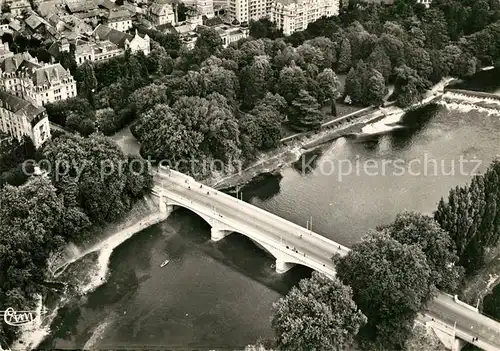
(97, 252)
(275, 160)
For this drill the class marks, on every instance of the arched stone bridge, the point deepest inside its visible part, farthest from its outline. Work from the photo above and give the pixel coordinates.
(291, 244)
(288, 243)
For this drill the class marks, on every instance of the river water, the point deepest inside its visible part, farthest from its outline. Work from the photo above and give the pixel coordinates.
(219, 295)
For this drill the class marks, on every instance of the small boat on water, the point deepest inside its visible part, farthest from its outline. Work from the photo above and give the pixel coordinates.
(164, 263)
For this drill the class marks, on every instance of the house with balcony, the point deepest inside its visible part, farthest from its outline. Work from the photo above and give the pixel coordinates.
(20, 118)
(23, 76)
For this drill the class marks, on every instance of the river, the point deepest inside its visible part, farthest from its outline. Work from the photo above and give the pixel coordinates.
(219, 295)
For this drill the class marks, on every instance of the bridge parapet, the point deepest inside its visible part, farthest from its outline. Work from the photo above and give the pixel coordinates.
(224, 225)
(334, 246)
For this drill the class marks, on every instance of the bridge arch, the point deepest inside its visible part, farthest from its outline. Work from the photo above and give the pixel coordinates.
(219, 230)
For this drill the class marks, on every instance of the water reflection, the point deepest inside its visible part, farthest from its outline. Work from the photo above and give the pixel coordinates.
(486, 81)
(263, 187)
(414, 122)
(308, 161)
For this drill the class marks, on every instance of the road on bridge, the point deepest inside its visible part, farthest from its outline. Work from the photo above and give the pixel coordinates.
(469, 322)
(282, 233)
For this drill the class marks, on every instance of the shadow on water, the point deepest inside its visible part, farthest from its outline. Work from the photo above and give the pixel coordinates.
(484, 81)
(237, 252)
(262, 187)
(414, 121)
(308, 161)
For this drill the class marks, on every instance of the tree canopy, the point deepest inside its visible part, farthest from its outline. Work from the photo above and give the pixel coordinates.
(319, 314)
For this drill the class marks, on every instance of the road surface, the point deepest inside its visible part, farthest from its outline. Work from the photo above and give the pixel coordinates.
(469, 323)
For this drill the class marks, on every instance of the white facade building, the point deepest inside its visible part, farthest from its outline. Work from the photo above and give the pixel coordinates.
(289, 15)
(107, 43)
(119, 19)
(231, 34)
(205, 8)
(292, 16)
(161, 14)
(24, 77)
(427, 3)
(238, 10)
(19, 118)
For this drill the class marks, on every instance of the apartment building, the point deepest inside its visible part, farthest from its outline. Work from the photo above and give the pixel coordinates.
(161, 14)
(119, 19)
(292, 16)
(231, 34)
(23, 76)
(239, 10)
(107, 43)
(19, 118)
(426, 3)
(205, 8)
(289, 15)
(18, 7)
(5, 51)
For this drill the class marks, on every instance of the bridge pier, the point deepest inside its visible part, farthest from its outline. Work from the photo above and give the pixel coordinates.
(282, 266)
(164, 208)
(218, 234)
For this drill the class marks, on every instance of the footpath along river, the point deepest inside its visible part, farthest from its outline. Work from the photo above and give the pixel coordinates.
(219, 295)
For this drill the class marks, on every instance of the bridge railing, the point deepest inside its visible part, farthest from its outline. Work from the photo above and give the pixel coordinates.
(252, 233)
(336, 247)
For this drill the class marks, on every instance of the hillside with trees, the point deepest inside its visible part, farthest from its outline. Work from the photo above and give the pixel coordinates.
(41, 214)
(404, 45)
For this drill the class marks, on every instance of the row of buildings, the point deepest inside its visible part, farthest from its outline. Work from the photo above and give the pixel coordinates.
(26, 85)
(289, 15)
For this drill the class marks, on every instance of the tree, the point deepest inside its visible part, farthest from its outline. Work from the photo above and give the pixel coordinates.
(88, 81)
(391, 282)
(471, 217)
(409, 86)
(291, 81)
(261, 129)
(195, 129)
(412, 228)
(345, 58)
(264, 28)
(318, 315)
(420, 60)
(304, 113)
(102, 173)
(207, 44)
(329, 85)
(394, 48)
(222, 81)
(147, 97)
(327, 48)
(379, 60)
(353, 85)
(375, 89)
(424, 338)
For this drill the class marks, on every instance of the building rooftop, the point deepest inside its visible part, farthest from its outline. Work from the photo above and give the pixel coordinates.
(167, 27)
(33, 21)
(81, 5)
(107, 4)
(18, 106)
(211, 22)
(161, 9)
(12, 64)
(104, 32)
(118, 14)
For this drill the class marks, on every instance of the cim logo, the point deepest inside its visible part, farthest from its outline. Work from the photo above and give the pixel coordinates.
(20, 318)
